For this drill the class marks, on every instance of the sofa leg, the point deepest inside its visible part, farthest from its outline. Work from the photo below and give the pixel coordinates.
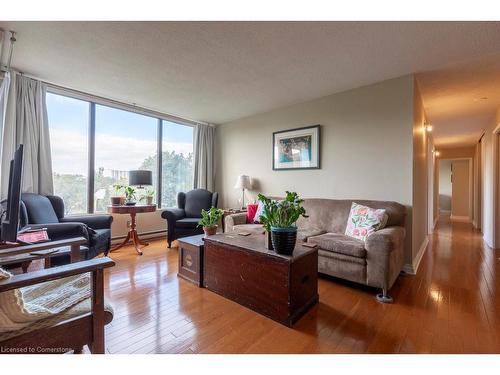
(169, 244)
(384, 297)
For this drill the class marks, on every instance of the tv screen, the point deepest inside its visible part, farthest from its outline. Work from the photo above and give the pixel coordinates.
(10, 222)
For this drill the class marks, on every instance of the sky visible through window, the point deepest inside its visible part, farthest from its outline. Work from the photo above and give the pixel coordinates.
(68, 119)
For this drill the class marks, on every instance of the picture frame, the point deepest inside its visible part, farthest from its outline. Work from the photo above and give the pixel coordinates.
(298, 148)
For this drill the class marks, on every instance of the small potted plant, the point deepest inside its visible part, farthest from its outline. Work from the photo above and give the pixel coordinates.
(129, 196)
(279, 218)
(209, 220)
(148, 196)
(117, 199)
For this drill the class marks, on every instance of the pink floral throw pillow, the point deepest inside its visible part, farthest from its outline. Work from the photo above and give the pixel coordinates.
(364, 220)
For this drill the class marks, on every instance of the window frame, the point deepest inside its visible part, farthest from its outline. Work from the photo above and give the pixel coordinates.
(92, 101)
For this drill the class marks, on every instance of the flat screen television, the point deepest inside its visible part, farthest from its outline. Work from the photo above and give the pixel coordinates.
(10, 219)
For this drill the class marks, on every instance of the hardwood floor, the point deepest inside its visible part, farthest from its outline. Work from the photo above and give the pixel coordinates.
(451, 306)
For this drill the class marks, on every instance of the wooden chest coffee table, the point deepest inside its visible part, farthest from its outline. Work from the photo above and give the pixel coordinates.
(241, 269)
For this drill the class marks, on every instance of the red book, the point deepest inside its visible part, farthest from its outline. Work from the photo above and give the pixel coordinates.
(33, 236)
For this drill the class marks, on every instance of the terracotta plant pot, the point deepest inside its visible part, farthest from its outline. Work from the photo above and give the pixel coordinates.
(122, 201)
(116, 201)
(149, 201)
(210, 231)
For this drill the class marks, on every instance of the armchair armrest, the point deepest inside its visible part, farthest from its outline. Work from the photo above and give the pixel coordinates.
(57, 231)
(93, 221)
(173, 214)
(385, 240)
(384, 256)
(234, 219)
(36, 277)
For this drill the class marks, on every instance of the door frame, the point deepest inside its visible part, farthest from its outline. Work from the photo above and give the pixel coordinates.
(471, 188)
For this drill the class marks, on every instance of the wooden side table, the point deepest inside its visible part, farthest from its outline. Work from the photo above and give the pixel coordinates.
(132, 234)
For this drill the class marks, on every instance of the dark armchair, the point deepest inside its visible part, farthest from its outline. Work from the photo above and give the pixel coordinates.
(183, 220)
(39, 211)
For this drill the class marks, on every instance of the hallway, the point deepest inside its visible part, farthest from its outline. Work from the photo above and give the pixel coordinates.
(451, 306)
(456, 294)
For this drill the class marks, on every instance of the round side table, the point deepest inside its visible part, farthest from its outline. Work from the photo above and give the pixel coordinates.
(132, 231)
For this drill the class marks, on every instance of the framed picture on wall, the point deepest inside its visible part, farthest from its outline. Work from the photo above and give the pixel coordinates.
(296, 148)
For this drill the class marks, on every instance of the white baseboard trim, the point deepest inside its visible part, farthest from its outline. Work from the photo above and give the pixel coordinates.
(413, 268)
(460, 219)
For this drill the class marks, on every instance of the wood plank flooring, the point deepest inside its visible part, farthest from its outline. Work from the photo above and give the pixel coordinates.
(451, 306)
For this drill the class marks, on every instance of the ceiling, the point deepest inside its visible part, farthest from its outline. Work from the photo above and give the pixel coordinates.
(461, 99)
(221, 71)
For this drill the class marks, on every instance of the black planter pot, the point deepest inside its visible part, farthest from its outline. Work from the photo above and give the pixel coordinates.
(283, 240)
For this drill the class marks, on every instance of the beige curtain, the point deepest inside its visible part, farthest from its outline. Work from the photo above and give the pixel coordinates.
(26, 123)
(204, 157)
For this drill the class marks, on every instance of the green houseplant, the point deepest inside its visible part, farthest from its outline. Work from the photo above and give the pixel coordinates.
(129, 195)
(209, 220)
(118, 198)
(279, 218)
(148, 196)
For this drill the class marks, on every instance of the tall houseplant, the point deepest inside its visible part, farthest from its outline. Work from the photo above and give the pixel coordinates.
(279, 218)
(209, 220)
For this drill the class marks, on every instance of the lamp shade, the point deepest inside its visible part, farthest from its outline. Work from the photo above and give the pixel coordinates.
(243, 182)
(140, 178)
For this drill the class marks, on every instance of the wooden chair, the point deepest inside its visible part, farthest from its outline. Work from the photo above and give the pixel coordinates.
(81, 325)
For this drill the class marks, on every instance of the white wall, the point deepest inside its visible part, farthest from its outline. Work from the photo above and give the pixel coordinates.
(461, 194)
(420, 183)
(367, 148)
(445, 185)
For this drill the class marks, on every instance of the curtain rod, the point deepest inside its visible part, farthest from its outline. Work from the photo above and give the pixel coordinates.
(117, 103)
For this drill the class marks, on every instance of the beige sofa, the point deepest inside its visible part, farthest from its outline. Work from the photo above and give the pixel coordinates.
(376, 262)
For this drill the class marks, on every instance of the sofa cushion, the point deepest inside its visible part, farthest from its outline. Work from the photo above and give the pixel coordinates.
(364, 220)
(304, 234)
(332, 214)
(39, 209)
(249, 228)
(260, 211)
(251, 211)
(197, 200)
(189, 222)
(343, 266)
(339, 243)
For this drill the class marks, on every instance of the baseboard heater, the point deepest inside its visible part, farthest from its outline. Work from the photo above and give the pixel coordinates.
(146, 235)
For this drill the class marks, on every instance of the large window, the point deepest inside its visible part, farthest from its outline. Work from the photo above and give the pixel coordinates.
(69, 123)
(177, 161)
(117, 141)
(123, 141)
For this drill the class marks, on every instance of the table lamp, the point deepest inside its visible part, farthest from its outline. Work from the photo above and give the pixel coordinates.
(140, 178)
(243, 182)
